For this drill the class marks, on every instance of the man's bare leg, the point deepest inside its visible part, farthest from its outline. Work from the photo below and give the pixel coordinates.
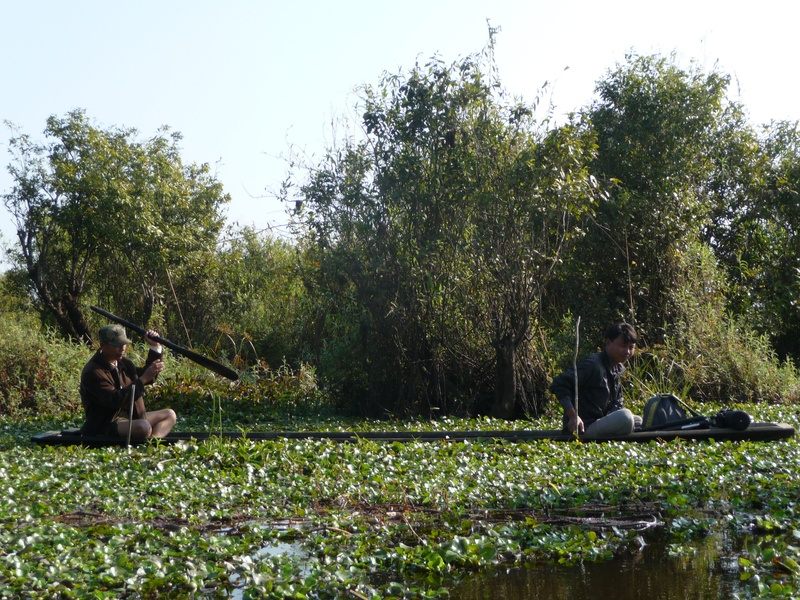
(140, 429)
(161, 421)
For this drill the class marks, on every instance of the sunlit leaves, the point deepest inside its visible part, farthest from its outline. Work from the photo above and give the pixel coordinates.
(93, 205)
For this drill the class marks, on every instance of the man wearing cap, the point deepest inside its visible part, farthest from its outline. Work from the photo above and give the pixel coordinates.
(106, 383)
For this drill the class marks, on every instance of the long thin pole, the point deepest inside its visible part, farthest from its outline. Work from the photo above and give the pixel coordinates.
(575, 365)
(687, 407)
(190, 354)
(130, 414)
(178, 305)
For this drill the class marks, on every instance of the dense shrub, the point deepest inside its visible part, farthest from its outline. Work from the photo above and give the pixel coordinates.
(39, 372)
(719, 356)
(730, 362)
(708, 354)
(191, 390)
(40, 375)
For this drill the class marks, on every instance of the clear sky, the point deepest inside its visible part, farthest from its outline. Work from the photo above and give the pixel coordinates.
(245, 80)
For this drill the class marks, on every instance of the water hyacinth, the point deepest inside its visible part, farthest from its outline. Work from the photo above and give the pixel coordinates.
(315, 518)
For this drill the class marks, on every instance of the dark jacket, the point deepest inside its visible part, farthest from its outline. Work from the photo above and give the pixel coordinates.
(106, 392)
(599, 388)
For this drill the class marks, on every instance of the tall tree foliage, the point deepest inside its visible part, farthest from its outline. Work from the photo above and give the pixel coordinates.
(754, 228)
(655, 125)
(685, 174)
(99, 212)
(436, 234)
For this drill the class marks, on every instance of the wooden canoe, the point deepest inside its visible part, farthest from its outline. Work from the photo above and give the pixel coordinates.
(756, 432)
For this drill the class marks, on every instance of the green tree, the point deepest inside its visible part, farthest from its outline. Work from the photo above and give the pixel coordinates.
(262, 294)
(436, 234)
(533, 186)
(685, 174)
(754, 228)
(99, 212)
(655, 125)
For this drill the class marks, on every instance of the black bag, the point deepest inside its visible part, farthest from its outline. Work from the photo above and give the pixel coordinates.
(663, 412)
(732, 419)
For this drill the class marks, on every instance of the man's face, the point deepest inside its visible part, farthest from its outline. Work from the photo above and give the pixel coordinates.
(111, 352)
(619, 350)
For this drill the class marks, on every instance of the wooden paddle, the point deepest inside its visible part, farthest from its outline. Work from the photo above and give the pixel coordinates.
(190, 354)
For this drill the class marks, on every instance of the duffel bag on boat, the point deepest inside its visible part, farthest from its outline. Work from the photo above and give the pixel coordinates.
(665, 412)
(662, 409)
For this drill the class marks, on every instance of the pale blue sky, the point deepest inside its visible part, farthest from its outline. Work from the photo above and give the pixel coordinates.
(244, 80)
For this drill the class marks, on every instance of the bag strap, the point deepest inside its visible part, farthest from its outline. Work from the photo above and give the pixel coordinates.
(690, 423)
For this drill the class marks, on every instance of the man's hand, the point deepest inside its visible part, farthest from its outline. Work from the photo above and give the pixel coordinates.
(148, 337)
(574, 423)
(151, 372)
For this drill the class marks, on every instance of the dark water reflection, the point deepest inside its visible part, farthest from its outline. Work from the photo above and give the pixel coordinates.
(710, 572)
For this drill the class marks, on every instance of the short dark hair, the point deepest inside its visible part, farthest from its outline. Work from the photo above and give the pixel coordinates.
(625, 330)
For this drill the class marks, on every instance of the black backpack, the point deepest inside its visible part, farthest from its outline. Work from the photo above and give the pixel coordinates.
(663, 412)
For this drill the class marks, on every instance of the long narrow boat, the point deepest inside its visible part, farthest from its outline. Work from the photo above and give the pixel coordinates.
(762, 432)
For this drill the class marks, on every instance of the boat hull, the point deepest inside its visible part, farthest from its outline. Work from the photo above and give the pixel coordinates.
(755, 432)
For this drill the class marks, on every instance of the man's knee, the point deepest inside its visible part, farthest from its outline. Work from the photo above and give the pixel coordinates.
(143, 429)
(169, 417)
(139, 429)
(162, 421)
(627, 421)
(619, 422)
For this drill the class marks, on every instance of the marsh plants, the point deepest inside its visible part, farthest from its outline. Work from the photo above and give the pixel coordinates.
(320, 519)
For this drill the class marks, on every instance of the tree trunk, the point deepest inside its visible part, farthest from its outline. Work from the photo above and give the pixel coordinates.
(149, 292)
(77, 321)
(505, 391)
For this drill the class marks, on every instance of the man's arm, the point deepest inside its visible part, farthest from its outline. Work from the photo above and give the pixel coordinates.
(563, 387)
(153, 365)
(574, 422)
(154, 354)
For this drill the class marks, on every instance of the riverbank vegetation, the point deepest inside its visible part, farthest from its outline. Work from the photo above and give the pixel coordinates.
(441, 258)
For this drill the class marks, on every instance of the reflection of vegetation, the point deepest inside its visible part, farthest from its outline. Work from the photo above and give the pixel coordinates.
(703, 567)
(375, 518)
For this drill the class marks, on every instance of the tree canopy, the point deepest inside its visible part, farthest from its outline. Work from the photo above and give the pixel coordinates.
(437, 234)
(99, 212)
(442, 256)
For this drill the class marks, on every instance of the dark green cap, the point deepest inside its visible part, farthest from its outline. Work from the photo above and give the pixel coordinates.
(114, 335)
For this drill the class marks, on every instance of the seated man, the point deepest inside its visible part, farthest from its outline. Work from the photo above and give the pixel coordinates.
(600, 412)
(106, 383)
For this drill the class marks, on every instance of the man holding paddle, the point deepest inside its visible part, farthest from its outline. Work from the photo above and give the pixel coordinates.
(110, 382)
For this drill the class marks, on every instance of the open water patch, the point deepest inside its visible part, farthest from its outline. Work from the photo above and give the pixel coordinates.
(289, 553)
(707, 568)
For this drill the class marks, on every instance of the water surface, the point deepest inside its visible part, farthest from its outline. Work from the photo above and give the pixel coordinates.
(706, 569)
